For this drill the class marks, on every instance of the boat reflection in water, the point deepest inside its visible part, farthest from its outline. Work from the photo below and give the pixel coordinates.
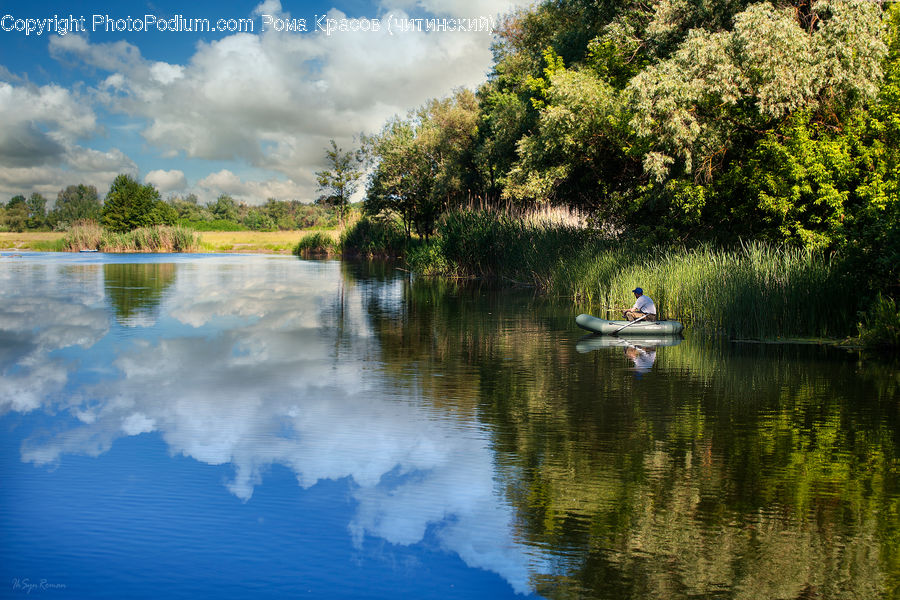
(640, 350)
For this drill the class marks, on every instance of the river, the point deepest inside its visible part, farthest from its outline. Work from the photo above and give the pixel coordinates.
(230, 426)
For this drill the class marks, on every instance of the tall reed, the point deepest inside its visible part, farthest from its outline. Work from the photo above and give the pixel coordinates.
(754, 290)
(316, 244)
(90, 236)
(83, 235)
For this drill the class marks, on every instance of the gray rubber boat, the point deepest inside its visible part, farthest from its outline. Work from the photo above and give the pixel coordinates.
(632, 328)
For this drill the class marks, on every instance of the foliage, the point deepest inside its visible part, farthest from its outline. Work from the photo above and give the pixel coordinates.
(756, 291)
(75, 203)
(880, 326)
(16, 214)
(257, 220)
(130, 205)
(37, 211)
(316, 244)
(373, 237)
(224, 208)
(89, 235)
(339, 180)
(422, 163)
(674, 122)
(216, 225)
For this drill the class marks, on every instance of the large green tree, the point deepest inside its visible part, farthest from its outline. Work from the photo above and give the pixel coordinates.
(130, 205)
(16, 214)
(75, 203)
(425, 163)
(37, 211)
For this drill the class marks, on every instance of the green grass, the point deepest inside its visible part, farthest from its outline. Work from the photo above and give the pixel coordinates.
(880, 326)
(90, 236)
(316, 244)
(754, 291)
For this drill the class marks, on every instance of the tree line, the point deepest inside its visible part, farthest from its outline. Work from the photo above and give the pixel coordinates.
(130, 204)
(674, 121)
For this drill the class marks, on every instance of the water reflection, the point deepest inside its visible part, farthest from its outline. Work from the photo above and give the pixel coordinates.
(736, 471)
(253, 363)
(641, 351)
(136, 289)
(479, 417)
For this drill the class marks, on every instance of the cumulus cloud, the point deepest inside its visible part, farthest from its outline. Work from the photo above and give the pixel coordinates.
(167, 181)
(40, 141)
(272, 100)
(252, 192)
(267, 103)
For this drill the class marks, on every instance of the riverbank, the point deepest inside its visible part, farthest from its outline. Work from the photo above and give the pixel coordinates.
(251, 242)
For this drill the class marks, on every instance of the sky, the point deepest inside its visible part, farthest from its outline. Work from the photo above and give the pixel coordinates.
(211, 98)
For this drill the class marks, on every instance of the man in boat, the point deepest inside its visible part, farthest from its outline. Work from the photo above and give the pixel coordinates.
(643, 307)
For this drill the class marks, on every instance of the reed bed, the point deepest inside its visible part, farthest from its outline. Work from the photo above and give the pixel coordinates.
(756, 291)
(318, 244)
(753, 291)
(91, 236)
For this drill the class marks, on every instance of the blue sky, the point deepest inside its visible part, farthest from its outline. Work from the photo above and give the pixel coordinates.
(247, 113)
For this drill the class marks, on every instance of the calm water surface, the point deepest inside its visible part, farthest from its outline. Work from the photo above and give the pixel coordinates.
(264, 427)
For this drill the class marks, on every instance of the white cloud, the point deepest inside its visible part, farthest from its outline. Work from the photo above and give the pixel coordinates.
(167, 181)
(268, 389)
(40, 142)
(273, 100)
(252, 192)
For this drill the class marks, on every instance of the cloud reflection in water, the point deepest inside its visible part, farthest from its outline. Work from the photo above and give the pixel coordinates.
(258, 362)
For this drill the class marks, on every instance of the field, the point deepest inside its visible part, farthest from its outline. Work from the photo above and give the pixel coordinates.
(268, 242)
(30, 240)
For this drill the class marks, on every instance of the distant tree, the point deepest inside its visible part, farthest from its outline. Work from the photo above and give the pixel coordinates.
(75, 203)
(16, 213)
(130, 205)
(280, 213)
(339, 180)
(257, 220)
(37, 211)
(224, 208)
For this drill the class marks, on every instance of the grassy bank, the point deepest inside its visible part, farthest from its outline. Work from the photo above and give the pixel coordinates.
(274, 242)
(43, 241)
(268, 242)
(754, 291)
(90, 236)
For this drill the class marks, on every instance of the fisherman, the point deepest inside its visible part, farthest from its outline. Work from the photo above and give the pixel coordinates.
(643, 308)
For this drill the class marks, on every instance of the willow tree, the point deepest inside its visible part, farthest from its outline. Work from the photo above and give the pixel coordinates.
(722, 95)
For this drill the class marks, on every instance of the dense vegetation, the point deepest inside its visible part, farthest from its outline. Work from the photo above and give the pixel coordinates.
(129, 205)
(679, 128)
(671, 121)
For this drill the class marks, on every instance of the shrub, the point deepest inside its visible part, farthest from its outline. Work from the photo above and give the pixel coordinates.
(880, 327)
(316, 244)
(374, 238)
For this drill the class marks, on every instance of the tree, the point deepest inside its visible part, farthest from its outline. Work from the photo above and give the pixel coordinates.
(339, 180)
(37, 211)
(130, 205)
(257, 220)
(16, 213)
(75, 203)
(225, 208)
(424, 163)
